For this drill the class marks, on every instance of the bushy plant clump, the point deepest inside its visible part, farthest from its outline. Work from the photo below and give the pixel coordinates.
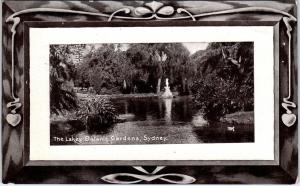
(217, 96)
(97, 113)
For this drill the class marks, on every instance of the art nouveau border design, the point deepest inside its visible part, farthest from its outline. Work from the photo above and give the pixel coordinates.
(149, 176)
(153, 11)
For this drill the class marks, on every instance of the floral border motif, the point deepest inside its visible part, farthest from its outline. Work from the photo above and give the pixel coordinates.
(159, 11)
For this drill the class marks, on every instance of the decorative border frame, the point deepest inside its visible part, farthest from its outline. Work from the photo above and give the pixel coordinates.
(152, 11)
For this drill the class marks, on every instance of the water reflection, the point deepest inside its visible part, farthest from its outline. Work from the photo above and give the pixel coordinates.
(218, 132)
(174, 119)
(178, 119)
(176, 109)
(168, 106)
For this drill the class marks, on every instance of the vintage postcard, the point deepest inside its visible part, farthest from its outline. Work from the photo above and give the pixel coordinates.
(125, 92)
(123, 86)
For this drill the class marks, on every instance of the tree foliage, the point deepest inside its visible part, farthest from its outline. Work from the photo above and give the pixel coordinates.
(225, 80)
(62, 96)
(140, 67)
(220, 77)
(105, 68)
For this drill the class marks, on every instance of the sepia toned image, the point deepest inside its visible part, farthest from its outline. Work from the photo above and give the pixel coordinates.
(152, 93)
(149, 92)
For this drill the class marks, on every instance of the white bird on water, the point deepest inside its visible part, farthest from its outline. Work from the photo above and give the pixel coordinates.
(230, 128)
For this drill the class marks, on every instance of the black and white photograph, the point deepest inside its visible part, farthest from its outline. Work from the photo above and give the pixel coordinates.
(151, 93)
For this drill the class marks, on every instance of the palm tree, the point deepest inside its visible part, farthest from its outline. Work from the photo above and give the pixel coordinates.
(160, 59)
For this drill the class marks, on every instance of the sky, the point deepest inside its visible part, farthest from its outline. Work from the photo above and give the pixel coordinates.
(192, 47)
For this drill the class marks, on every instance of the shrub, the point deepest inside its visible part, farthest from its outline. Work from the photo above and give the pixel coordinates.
(216, 96)
(97, 113)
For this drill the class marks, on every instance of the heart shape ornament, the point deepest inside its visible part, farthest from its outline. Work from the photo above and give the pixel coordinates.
(13, 119)
(289, 119)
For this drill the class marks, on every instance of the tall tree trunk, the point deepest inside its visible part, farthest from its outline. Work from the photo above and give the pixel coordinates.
(183, 83)
(158, 85)
(189, 87)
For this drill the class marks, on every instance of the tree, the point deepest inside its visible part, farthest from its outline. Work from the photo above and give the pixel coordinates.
(159, 60)
(106, 68)
(62, 96)
(224, 81)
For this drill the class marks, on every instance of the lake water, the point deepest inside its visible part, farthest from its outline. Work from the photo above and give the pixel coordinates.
(162, 121)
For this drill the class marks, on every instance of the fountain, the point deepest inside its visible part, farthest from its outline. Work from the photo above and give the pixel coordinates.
(167, 93)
